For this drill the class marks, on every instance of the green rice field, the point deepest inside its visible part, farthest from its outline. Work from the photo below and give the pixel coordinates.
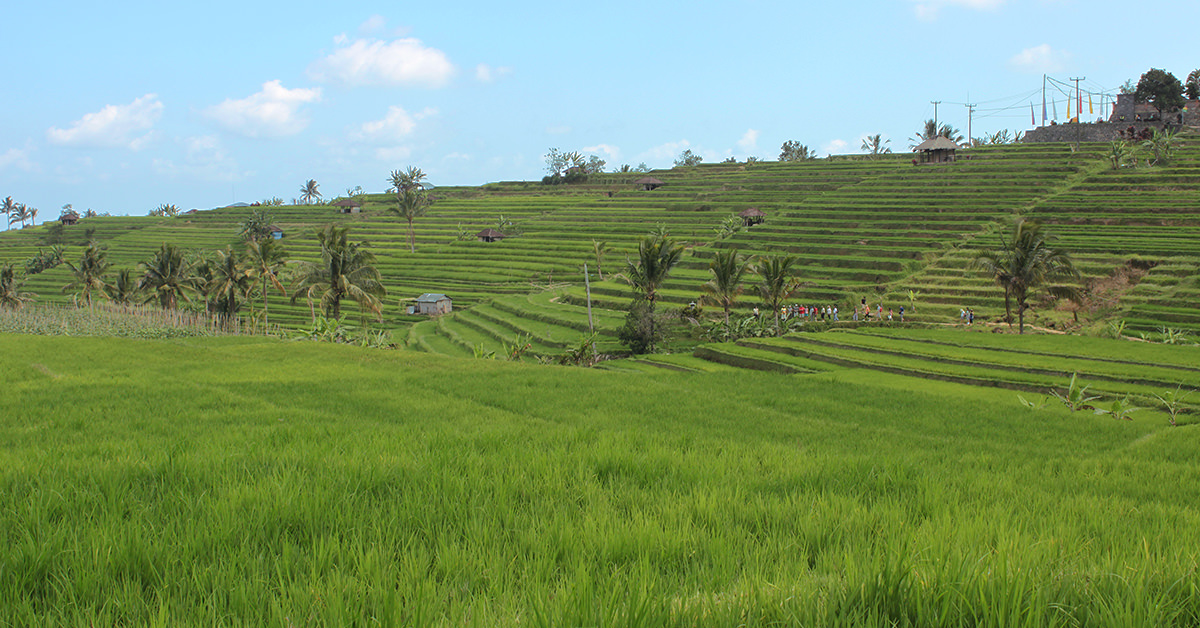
(249, 481)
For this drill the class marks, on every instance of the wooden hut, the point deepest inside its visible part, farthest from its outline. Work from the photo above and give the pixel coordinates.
(276, 232)
(937, 150)
(69, 218)
(752, 216)
(348, 206)
(490, 235)
(432, 304)
(649, 183)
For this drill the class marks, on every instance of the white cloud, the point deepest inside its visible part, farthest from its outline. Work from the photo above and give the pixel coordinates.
(275, 111)
(393, 153)
(1040, 59)
(114, 126)
(835, 147)
(395, 126)
(670, 151)
(929, 9)
(612, 151)
(485, 73)
(373, 24)
(204, 158)
(749, 141)
(17, 158)
(400, 62)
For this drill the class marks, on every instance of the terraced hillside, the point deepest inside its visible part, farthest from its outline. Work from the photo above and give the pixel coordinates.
(874, 229)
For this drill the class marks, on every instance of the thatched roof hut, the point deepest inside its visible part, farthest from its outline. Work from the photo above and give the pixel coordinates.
(649, 183)
(937, 150)
(490, 235)
(348, 205)
(69, 218)
(752, 216)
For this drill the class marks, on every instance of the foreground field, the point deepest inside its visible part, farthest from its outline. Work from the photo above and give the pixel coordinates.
(244, 482)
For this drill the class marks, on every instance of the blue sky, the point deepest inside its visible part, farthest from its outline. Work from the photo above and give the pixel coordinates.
(120, 108)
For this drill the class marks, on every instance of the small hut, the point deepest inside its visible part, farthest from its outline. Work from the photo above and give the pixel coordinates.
(432, 304)
(649, 183)
(937, 150)
(276, 232)
(348, 206)
(752, 216)
(69, 218)
(490, 235)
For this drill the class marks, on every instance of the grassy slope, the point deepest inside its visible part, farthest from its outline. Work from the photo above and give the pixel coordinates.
(225, 482)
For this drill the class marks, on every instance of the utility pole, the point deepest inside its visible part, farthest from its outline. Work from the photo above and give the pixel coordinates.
(970, 116)
(935, 104)
(1079, 97)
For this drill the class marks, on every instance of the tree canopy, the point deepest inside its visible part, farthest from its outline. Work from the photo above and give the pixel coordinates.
(1160, 89)
(795, 151)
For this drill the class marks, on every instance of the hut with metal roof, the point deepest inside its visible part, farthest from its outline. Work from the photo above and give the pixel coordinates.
(937, 150)
(752, 216)
(490, 235)
(649, 183)
(432, 304)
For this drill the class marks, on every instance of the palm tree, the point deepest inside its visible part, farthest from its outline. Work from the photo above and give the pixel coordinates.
(932, 130)
(10, 209)
(266, 258)
(10, 289)
(346, 271)
(33, 212)
(657, 255)
(1025, 262)
(124, 290)
(309, 192)
(411, 200)
(727, 268)
(600, 249)
(777, 283)
(168, 277)
(19, 214)
(231, 279)
(257, 224)
(874, 145)
(89, 274)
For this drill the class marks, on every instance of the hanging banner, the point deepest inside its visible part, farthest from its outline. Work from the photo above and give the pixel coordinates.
(1032, 117)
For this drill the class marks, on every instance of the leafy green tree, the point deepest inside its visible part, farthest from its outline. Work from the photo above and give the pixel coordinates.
(257, 225)
(310, 192)
(1192, 85)
(688, 158)
(1160, 89)
(1025, 261)
(168, 210)
(88, 276)
(230, 281)
(873, 145)
(11, 295)
(346, 271)
(795, 151)
(266, 259)
(778, 283)
(728, 269)
(411, 200)
(657, 255)
(168, 277)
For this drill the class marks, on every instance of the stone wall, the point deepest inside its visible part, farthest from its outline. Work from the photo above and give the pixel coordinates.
(1126, 113)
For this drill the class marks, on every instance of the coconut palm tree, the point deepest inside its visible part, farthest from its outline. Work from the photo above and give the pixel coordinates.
(11, 295)
(411, 200)
(1024, 262)
(346, 271)
(874, 145)
(89, 274)
(21, 213)
(231, 280)
(727, 268)
(266, 258)
(600, 249)
(124, 290)
(657, 255)
(411, 178)
(309, 193)
(168, 276)
(10, 209)
(777, 283)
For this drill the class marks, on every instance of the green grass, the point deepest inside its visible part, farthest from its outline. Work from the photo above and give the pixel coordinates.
(254, 482)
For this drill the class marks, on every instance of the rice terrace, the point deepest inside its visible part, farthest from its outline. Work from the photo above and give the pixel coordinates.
(882, 389)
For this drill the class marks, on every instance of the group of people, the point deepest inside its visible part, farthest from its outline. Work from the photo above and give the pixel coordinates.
(866, 312)
(809, 312)
(966, 315)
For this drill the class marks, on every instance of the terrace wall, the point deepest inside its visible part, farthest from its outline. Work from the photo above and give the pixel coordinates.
(1085, 132)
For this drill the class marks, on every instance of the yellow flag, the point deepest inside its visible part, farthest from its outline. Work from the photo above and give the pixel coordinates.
(1068, 108)
(1090, 104)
